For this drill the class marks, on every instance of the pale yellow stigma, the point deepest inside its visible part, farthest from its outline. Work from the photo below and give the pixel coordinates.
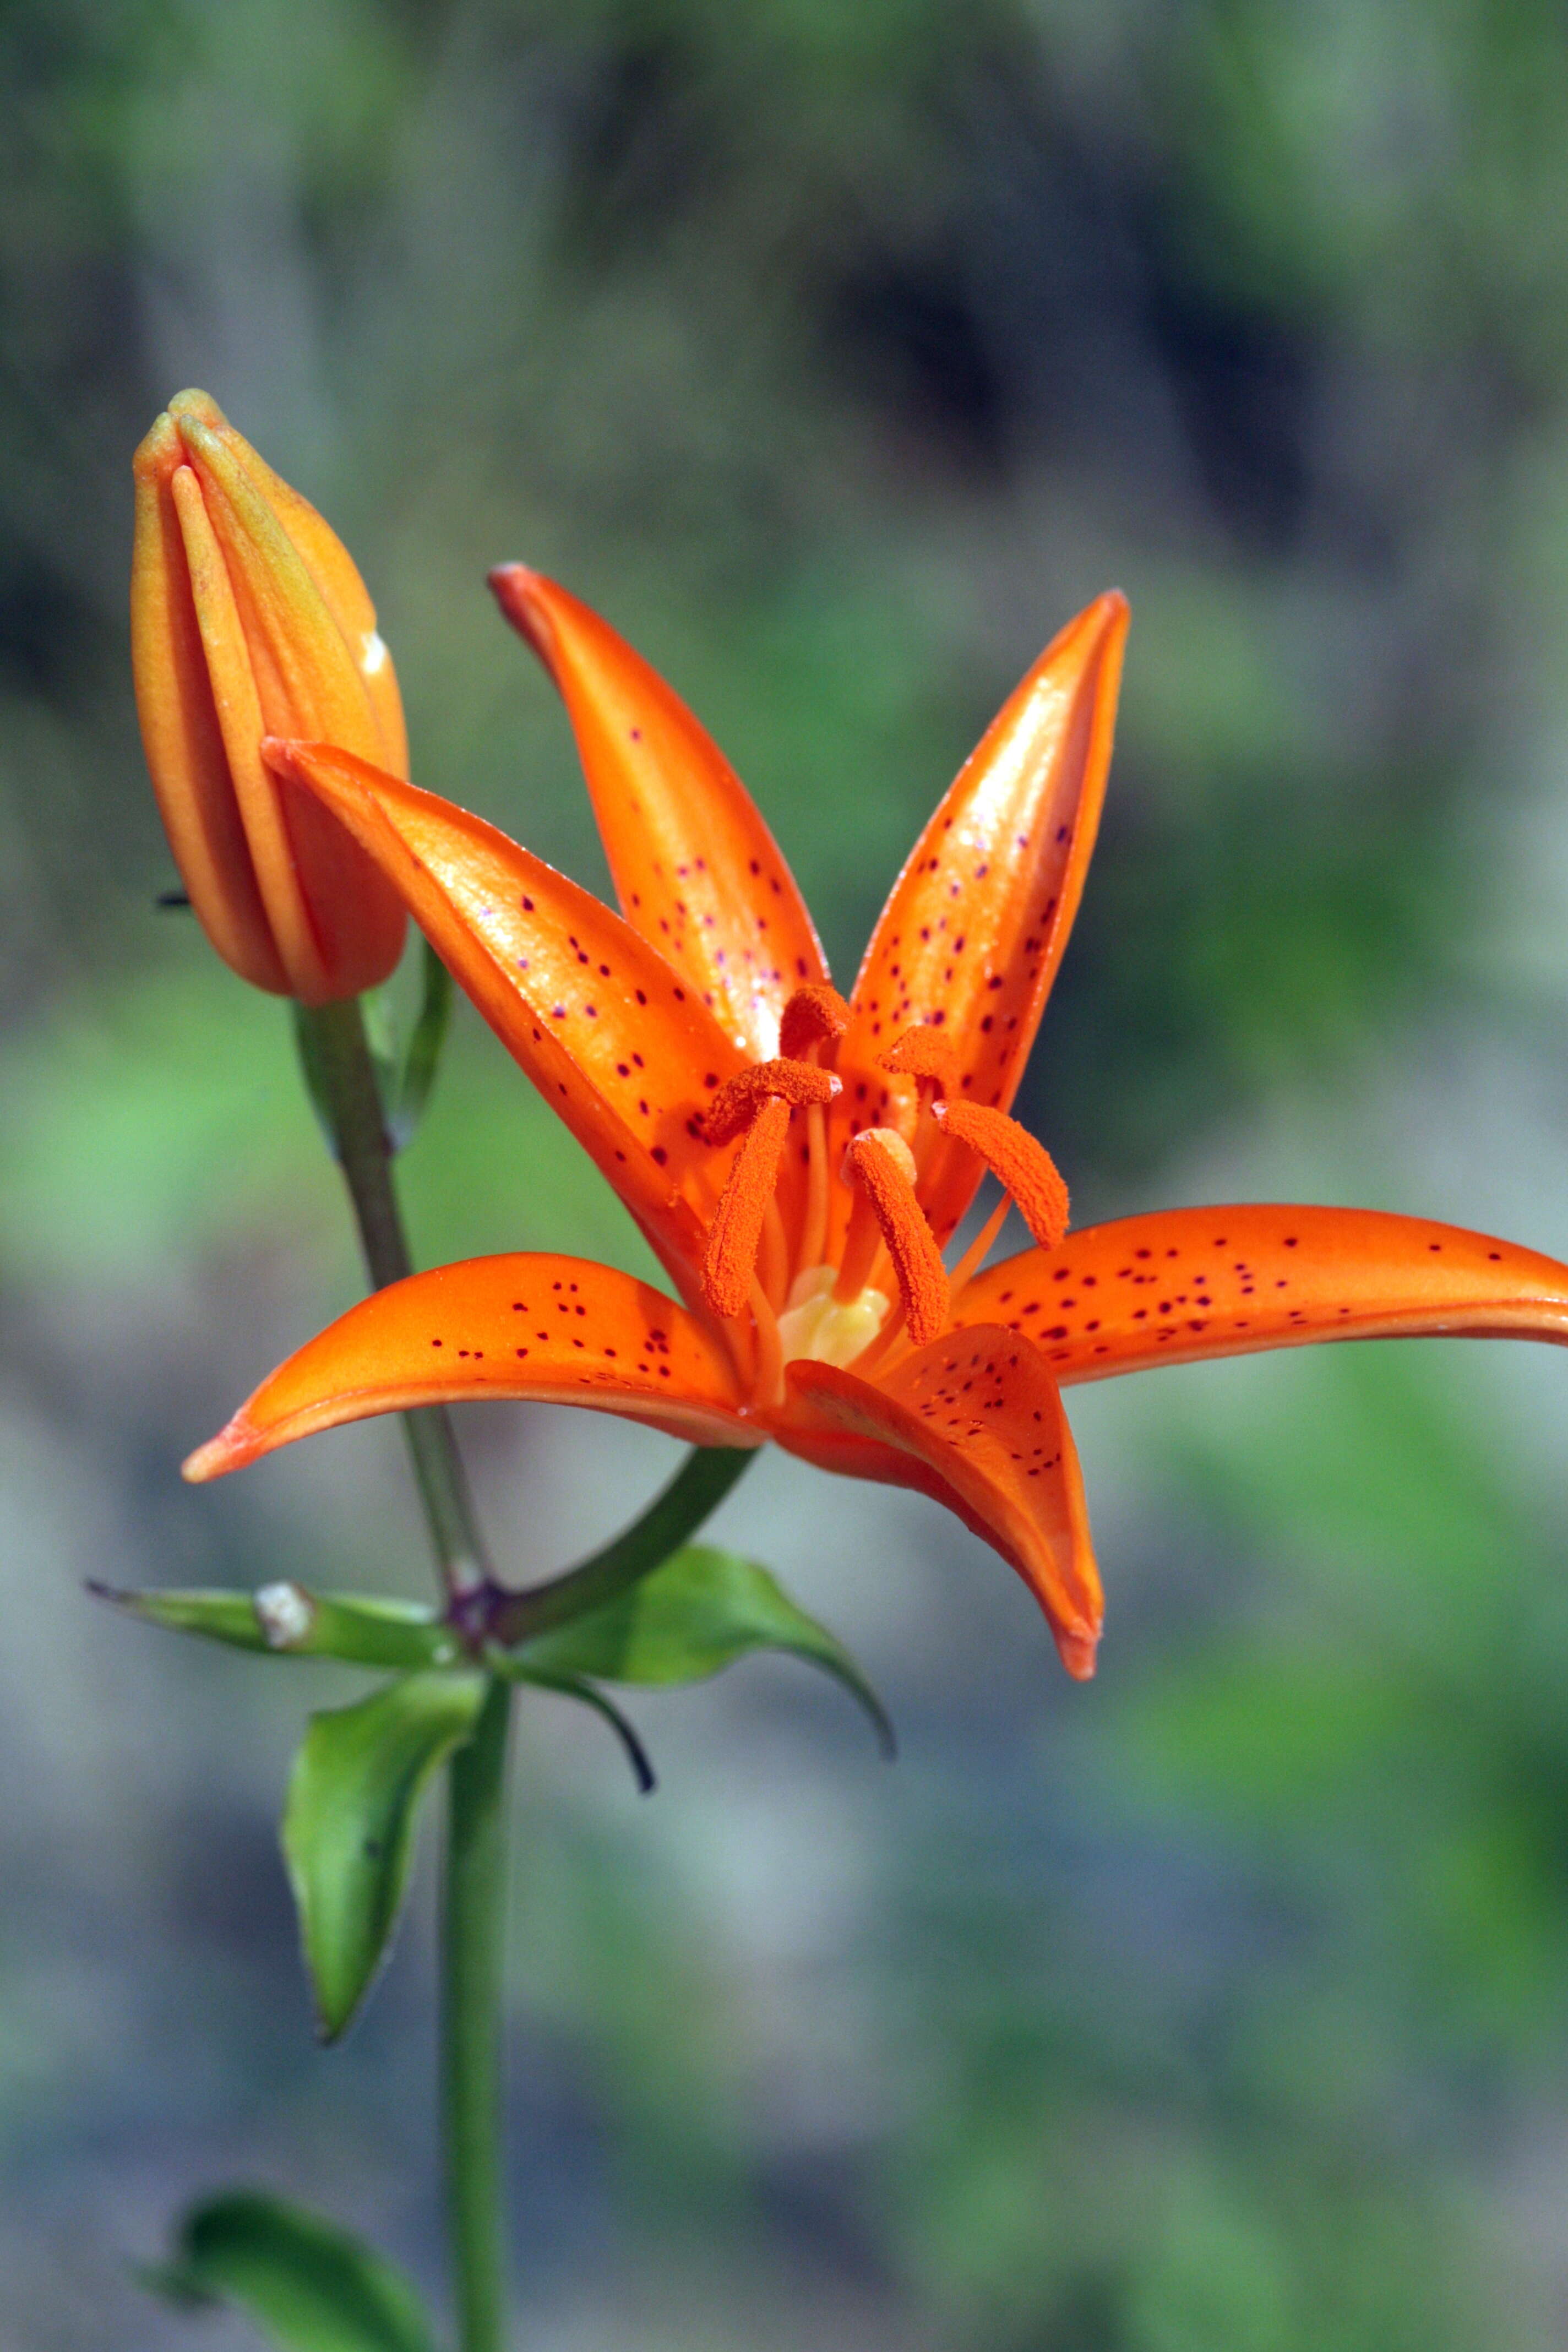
(827, 1330)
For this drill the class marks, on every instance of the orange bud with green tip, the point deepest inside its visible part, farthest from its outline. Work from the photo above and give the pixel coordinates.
(248, 619)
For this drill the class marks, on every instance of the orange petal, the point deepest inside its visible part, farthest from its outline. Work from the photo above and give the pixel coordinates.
(614, 1040)
(972, 935)
(555, 1330)
(1186, 1284)
(976, 1421)
(697, 870)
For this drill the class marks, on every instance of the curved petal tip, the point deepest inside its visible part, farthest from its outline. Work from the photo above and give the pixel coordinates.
(515, 587)
(238, 1442)
(1076, 1647)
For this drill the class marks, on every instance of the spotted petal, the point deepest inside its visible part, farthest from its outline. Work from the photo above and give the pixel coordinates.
(552, 1330)
(976, 1421)
(976, 923)
(696, 869)
(612, 1038)
(1186, 1284)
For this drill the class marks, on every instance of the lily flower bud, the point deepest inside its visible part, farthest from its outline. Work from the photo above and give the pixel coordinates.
(248, 619)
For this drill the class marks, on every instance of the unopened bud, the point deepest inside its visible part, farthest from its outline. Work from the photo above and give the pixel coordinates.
(248, 619)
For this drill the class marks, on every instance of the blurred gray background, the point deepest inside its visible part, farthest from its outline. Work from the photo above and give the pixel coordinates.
(838, 353)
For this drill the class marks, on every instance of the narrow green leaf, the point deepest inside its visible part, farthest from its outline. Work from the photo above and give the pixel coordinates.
(348, 1825)
(574, 1686)
(700, 1611)
(286, 1619)
(308, 2285)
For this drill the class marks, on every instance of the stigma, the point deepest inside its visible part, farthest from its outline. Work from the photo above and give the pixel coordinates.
(829, 1331)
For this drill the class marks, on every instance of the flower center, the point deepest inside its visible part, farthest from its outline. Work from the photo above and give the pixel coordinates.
(827, 1330)
(767, 1243)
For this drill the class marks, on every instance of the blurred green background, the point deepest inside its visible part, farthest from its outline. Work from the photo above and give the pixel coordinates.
(838, 352)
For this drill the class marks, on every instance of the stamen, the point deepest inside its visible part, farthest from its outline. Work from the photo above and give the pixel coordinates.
(814, 1225)
(924, 1055)
(882, 1164)
(923, 1052)
(772, 1258)
(735, 1104)
(813, 1014)
(1018, 1163)
(729, 1260)
(768, 1385)
(979, 1249)
(815, 1018)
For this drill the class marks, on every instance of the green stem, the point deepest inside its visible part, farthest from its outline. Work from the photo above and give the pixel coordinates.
(341, 1078)
(698, 1487)
(473, 1952)
(342, 1075)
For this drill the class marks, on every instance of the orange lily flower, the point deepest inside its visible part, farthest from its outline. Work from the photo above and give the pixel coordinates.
(800, 1163)
(248, 619)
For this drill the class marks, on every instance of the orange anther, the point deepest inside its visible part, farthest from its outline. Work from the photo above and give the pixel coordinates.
(922, 1053)
(729, 1259)
(1023, 1166)
(736, 1104)
(881, 1163)
(813, 1014)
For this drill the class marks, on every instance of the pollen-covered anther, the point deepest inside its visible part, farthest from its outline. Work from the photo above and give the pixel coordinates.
(923, 1052)
(737, 1102)
(815, 1015)
(1022, 1166)
(880, 1163)
(729, 1259)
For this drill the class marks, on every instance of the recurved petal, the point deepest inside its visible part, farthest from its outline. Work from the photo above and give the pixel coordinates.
(976, 1421)
(976, 923)
(553, 1330)
(696, 869)
(614, 1040)
(1186, 1284)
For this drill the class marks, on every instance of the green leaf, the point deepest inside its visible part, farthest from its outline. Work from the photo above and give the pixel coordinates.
(348, 1825)
(699, 1610)
(308, 2285)
(287, 1620)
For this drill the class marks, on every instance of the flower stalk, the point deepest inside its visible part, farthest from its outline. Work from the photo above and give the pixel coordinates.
(341, 1075)
(473, 1971)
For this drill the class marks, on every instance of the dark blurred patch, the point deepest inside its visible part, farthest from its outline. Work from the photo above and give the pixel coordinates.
(47, 629)
(908, 334)
(1243, 382)
(643, 144)
(227, 1887)
(1212, 960)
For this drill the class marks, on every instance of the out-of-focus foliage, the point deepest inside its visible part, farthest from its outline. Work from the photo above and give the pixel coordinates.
(838, 353)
